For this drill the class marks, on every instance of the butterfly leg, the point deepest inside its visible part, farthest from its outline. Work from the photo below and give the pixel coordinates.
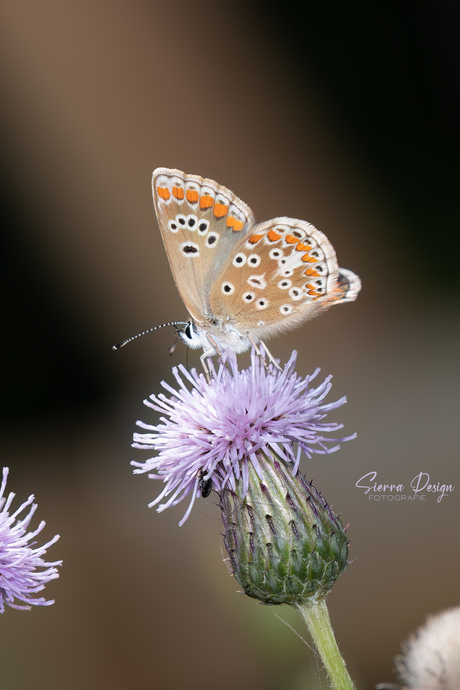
(216, 349)
(203, 358)
(209, 353)
(271, 359)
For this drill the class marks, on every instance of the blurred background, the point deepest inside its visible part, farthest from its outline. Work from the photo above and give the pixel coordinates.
(343, 114)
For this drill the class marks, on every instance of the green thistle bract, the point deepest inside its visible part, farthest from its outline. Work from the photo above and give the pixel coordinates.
(285, 544)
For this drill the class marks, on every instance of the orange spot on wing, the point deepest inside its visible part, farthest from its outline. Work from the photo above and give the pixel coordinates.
(312, 290)
(311, 259)
(178, 192)
(302, 247)
(206, 201)
(235, 224)
(255, 238)
(290, 239)
(192, 196)
(220, 210)
(273, 236)
(163, 192)
(311, 272)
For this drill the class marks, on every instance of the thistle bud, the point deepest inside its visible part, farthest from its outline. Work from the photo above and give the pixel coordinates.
(285, 544)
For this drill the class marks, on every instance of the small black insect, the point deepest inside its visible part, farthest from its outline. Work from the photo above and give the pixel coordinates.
(205, 485)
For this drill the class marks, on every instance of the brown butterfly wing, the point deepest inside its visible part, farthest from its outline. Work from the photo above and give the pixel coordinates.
(279, 276)
(201, 222)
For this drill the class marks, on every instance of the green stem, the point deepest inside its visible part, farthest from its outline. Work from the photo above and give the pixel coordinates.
(316, 616)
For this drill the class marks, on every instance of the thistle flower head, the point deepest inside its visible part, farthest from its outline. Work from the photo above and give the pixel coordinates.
(285, 544)
(432, 655)
(216, 431)
(19, 577)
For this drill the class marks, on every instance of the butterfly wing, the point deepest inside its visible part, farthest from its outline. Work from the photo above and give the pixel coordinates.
(201, 222)
(282, 274)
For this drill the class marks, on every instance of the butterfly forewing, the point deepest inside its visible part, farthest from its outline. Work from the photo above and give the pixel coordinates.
(242, 282)
(281, 274)
(201, 222)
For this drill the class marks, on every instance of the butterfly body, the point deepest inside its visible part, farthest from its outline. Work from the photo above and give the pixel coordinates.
(224, 335)
(242, 282)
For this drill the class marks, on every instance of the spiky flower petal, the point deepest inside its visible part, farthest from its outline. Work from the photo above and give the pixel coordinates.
(19, 577)
(216, 431)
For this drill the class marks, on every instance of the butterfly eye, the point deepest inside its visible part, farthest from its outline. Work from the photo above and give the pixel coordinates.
(254, 260)
(228, 288)
(211, 239)
(239, 260)
(285, 284)
(203, 226)
(248, 296)
(173, 226)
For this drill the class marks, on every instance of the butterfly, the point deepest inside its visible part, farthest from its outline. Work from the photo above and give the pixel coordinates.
(242, 282)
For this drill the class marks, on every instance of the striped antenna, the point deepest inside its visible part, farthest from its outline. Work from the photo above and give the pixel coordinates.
(155, 328)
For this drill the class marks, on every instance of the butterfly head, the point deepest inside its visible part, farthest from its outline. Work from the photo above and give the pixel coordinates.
(214, 337)
(191, 337)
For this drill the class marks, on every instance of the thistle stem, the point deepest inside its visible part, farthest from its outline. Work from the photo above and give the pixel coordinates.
(316, 616)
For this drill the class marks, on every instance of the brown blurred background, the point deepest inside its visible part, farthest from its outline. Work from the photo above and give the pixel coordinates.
(343, 114)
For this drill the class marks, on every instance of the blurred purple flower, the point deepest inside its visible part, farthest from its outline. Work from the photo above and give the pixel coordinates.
(19, 578)
(213, 430)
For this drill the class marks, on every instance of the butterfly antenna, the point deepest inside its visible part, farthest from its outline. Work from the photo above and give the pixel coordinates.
(150, 330)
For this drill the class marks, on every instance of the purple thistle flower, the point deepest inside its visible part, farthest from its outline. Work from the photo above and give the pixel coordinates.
(212, 431)
(19, 578)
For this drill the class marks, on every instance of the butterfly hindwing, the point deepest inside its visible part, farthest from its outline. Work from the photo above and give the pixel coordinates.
(279, 276)
(201, 222)
(242, 282)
